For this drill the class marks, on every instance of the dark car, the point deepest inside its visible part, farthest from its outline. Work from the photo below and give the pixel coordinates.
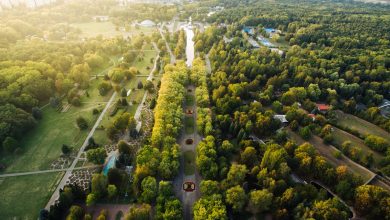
(188, 186)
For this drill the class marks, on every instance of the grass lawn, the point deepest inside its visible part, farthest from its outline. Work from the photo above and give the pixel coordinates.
(328, 153)
(93, 29)
(189, 124)
(360, 125)
(340, 136)
(189, 162)
(135, 95)
(144, 63)
(42, 145)
(24, 196)
(190, 100)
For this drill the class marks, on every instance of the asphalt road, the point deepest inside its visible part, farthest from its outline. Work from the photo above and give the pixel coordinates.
(188, 198)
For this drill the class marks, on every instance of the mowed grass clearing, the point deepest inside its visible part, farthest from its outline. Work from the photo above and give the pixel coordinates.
(341, 136)
(93, 29)
(144, 63)
(360, 125)
(327, 151)
(108, 29)
(189, 162)
(23, 197)
(42, 145)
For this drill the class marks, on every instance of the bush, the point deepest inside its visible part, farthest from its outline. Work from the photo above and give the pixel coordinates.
(95, 111)
(376, 143)
(76, 101)
(66, 149)
(10, 144)
(140, 85)
(37, 113)
(305, 133)
(82, 123)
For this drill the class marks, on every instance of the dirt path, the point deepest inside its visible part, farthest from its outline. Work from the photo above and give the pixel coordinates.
(188, 198)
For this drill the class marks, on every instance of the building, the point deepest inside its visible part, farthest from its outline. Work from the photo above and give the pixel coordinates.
(323, 108)
(281, 118)
(101, 18)
(147, 23)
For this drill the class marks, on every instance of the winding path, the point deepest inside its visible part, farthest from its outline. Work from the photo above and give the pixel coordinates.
(69, 171)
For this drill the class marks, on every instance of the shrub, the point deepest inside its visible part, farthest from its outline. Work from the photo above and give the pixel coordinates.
(82, 123)
(376, 143)
(76, 101)
(66, 149)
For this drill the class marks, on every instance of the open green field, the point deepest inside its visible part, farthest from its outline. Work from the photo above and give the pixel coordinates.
(360, 125)
(341, 136)
(24, 196)
(135, 95)
(189, 124)
(144, 63)
(190, 100)
(108, 29)
(327, 151)
(189, 162)
(42, 145)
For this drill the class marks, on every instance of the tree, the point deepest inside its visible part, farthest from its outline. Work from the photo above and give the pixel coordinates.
(210, 208)
(140, 85)
(99, 185)
(97, 156)
(260, 200)
(173, 210)
(249, 156)
(123, 147)
(75, 213)
(112, 191)
(10, 144)
(209, 187)
(149, 189)
(36, 113)
(104, 88)
(376, 143)
(91, 199)
(305, 133)
(140, 212)
(235, 196)
(115, 177)
(102, 215)
(66, 149)
(372, 201)
(82, 123)
(236, 174)
(149, 86)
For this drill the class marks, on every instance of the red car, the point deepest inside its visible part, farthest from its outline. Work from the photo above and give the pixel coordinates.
(188, 186)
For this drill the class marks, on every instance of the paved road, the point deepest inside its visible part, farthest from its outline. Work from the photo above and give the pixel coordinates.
(188, 198)
(65, 178)
(44, 171)
(173, 58)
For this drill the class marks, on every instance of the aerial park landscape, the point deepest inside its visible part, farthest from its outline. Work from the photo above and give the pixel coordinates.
(206, 109)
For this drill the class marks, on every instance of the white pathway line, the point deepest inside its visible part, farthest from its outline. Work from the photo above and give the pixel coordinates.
(66, 176)
(44, 171)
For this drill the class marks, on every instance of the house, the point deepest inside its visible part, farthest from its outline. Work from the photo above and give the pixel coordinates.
(147, 23)
(323, 108)
(101, 18)
(312, 116)
(281, 118)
